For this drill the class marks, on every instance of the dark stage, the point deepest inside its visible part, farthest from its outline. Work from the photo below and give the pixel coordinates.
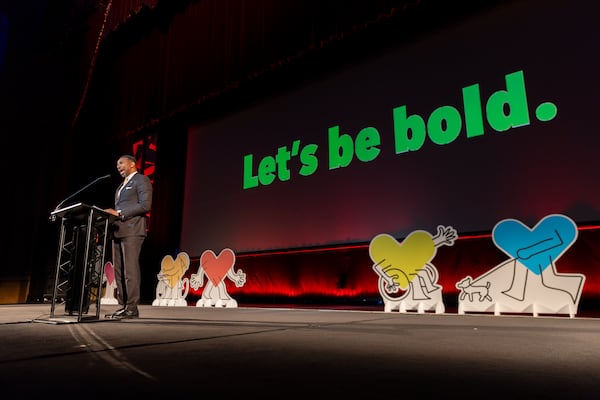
(277, 352)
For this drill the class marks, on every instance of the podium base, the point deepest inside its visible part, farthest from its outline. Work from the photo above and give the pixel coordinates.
(67, 319)
(57, 320)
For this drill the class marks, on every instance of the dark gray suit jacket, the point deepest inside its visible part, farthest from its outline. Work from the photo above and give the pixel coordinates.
(134, 202)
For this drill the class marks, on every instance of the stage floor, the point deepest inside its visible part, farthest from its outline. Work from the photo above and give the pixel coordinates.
(293, 353)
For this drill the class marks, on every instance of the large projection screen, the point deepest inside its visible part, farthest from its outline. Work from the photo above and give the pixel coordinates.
(492, 117)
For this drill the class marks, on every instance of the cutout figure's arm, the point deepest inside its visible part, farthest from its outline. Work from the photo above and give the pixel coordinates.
(197, 279)
(238, 277)
(390, 285)
(446, 235)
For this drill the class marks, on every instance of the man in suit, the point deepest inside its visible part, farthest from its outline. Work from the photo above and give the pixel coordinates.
(133, 199)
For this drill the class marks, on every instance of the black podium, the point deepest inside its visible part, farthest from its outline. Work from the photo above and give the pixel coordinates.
(84, 234)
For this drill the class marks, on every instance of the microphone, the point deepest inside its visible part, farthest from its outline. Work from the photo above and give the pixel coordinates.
(81, 190)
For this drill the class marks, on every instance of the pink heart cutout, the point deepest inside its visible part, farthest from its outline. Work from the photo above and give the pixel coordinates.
(216, 267)
(109, 272)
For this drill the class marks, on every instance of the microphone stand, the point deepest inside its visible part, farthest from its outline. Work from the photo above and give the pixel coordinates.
(53, 216)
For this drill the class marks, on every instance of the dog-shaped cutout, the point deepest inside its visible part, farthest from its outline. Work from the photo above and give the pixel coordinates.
(468, 290)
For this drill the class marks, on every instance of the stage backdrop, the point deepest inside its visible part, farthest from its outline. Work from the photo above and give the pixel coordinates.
(493, 117)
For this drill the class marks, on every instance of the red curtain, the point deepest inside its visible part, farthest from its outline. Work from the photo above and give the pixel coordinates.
(162, 59)
(123, 10)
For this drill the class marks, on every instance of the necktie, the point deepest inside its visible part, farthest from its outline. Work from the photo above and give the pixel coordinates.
(122, 187)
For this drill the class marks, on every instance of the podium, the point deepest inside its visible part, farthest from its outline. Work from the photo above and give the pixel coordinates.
(84, 232)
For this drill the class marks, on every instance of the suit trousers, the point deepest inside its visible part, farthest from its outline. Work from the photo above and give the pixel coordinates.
(126, 264)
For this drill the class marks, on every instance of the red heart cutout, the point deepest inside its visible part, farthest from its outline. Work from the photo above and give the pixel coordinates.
(109, 272)
(216, 267)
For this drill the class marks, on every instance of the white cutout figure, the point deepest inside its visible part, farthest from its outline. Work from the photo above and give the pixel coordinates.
(216, 268)
(528, 281)
(407, 279)
(172, 288)
(110, 285)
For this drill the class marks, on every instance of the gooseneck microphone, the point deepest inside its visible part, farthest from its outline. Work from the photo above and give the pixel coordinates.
(81, 190)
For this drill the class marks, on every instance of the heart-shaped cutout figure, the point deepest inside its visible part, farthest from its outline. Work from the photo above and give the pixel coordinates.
(535, 248)
(410, 256)
(216, 267)
(173, 269)
(109, 272)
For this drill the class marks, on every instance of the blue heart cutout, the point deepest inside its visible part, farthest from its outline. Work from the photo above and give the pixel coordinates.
(535, 248)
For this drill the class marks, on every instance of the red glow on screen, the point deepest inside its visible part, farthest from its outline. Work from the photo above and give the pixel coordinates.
(346, 272)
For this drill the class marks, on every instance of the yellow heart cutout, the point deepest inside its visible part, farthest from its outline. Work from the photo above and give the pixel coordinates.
(409, 257)
(173, 270)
